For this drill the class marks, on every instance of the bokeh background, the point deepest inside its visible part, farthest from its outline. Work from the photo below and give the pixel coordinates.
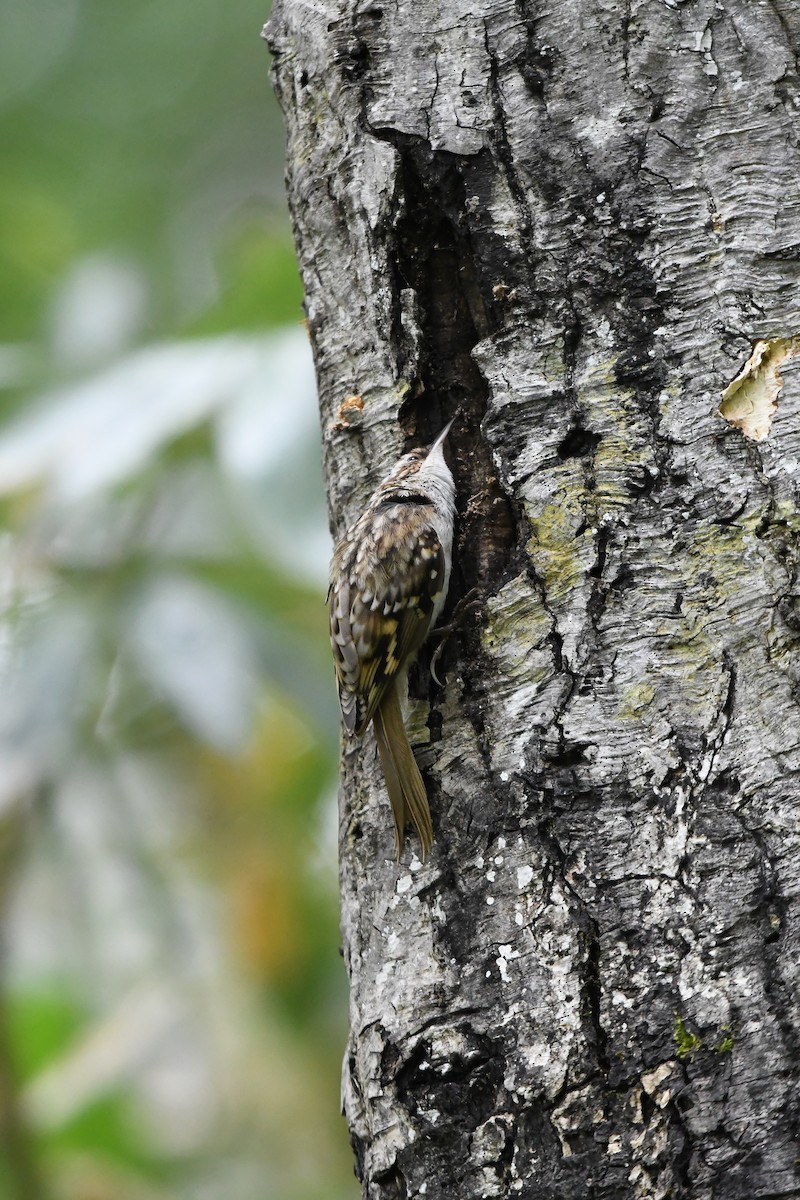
(172, 1000)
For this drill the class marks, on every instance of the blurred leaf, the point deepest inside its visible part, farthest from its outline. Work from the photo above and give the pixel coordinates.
(100, 431)
(83, 439)
(194, 651)
(45, 690)
(107, 1129)
(41, 1024)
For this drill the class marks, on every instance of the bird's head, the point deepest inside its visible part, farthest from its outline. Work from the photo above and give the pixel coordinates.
(422, 470)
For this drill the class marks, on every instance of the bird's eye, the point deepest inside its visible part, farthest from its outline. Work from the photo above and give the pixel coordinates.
(413, 458)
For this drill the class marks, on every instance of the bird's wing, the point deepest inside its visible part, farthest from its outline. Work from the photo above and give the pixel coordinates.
(381, 603)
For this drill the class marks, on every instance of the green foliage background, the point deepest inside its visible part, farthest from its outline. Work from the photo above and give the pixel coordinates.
(171, 995)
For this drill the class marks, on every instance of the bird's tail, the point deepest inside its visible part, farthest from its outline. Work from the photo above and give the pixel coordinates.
(403, 780)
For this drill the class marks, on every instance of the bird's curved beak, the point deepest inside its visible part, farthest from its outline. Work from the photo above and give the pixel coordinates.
(436, 445)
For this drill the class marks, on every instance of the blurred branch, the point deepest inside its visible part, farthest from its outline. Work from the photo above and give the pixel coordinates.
(19, 1173)
(17, 1149)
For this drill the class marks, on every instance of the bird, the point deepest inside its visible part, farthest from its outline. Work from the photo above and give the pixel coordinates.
(389, 577)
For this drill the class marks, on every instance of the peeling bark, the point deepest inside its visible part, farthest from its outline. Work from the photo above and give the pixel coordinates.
(749, 401)
(574, 220)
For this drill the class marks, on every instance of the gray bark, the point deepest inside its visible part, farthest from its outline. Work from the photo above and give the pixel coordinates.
(575, 220)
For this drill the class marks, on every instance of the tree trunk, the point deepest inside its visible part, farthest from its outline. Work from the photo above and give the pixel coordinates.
(574, 220)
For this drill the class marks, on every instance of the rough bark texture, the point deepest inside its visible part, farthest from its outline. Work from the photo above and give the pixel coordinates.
(574, 219)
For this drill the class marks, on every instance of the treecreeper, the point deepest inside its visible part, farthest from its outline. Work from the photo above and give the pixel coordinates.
(388, 585)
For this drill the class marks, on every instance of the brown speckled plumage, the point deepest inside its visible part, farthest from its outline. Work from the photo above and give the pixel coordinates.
(389, 578)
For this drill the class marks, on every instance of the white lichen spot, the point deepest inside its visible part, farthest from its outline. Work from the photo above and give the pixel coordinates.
(490, 899)
(634, 1103)
(498, 860)
(524, 876)
(518, 917)
(505, 954)
(501, 844)
(403, 884)
(504, 776)
(652, 1079)
(749, 401)
(491, 876)
(479, 861)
